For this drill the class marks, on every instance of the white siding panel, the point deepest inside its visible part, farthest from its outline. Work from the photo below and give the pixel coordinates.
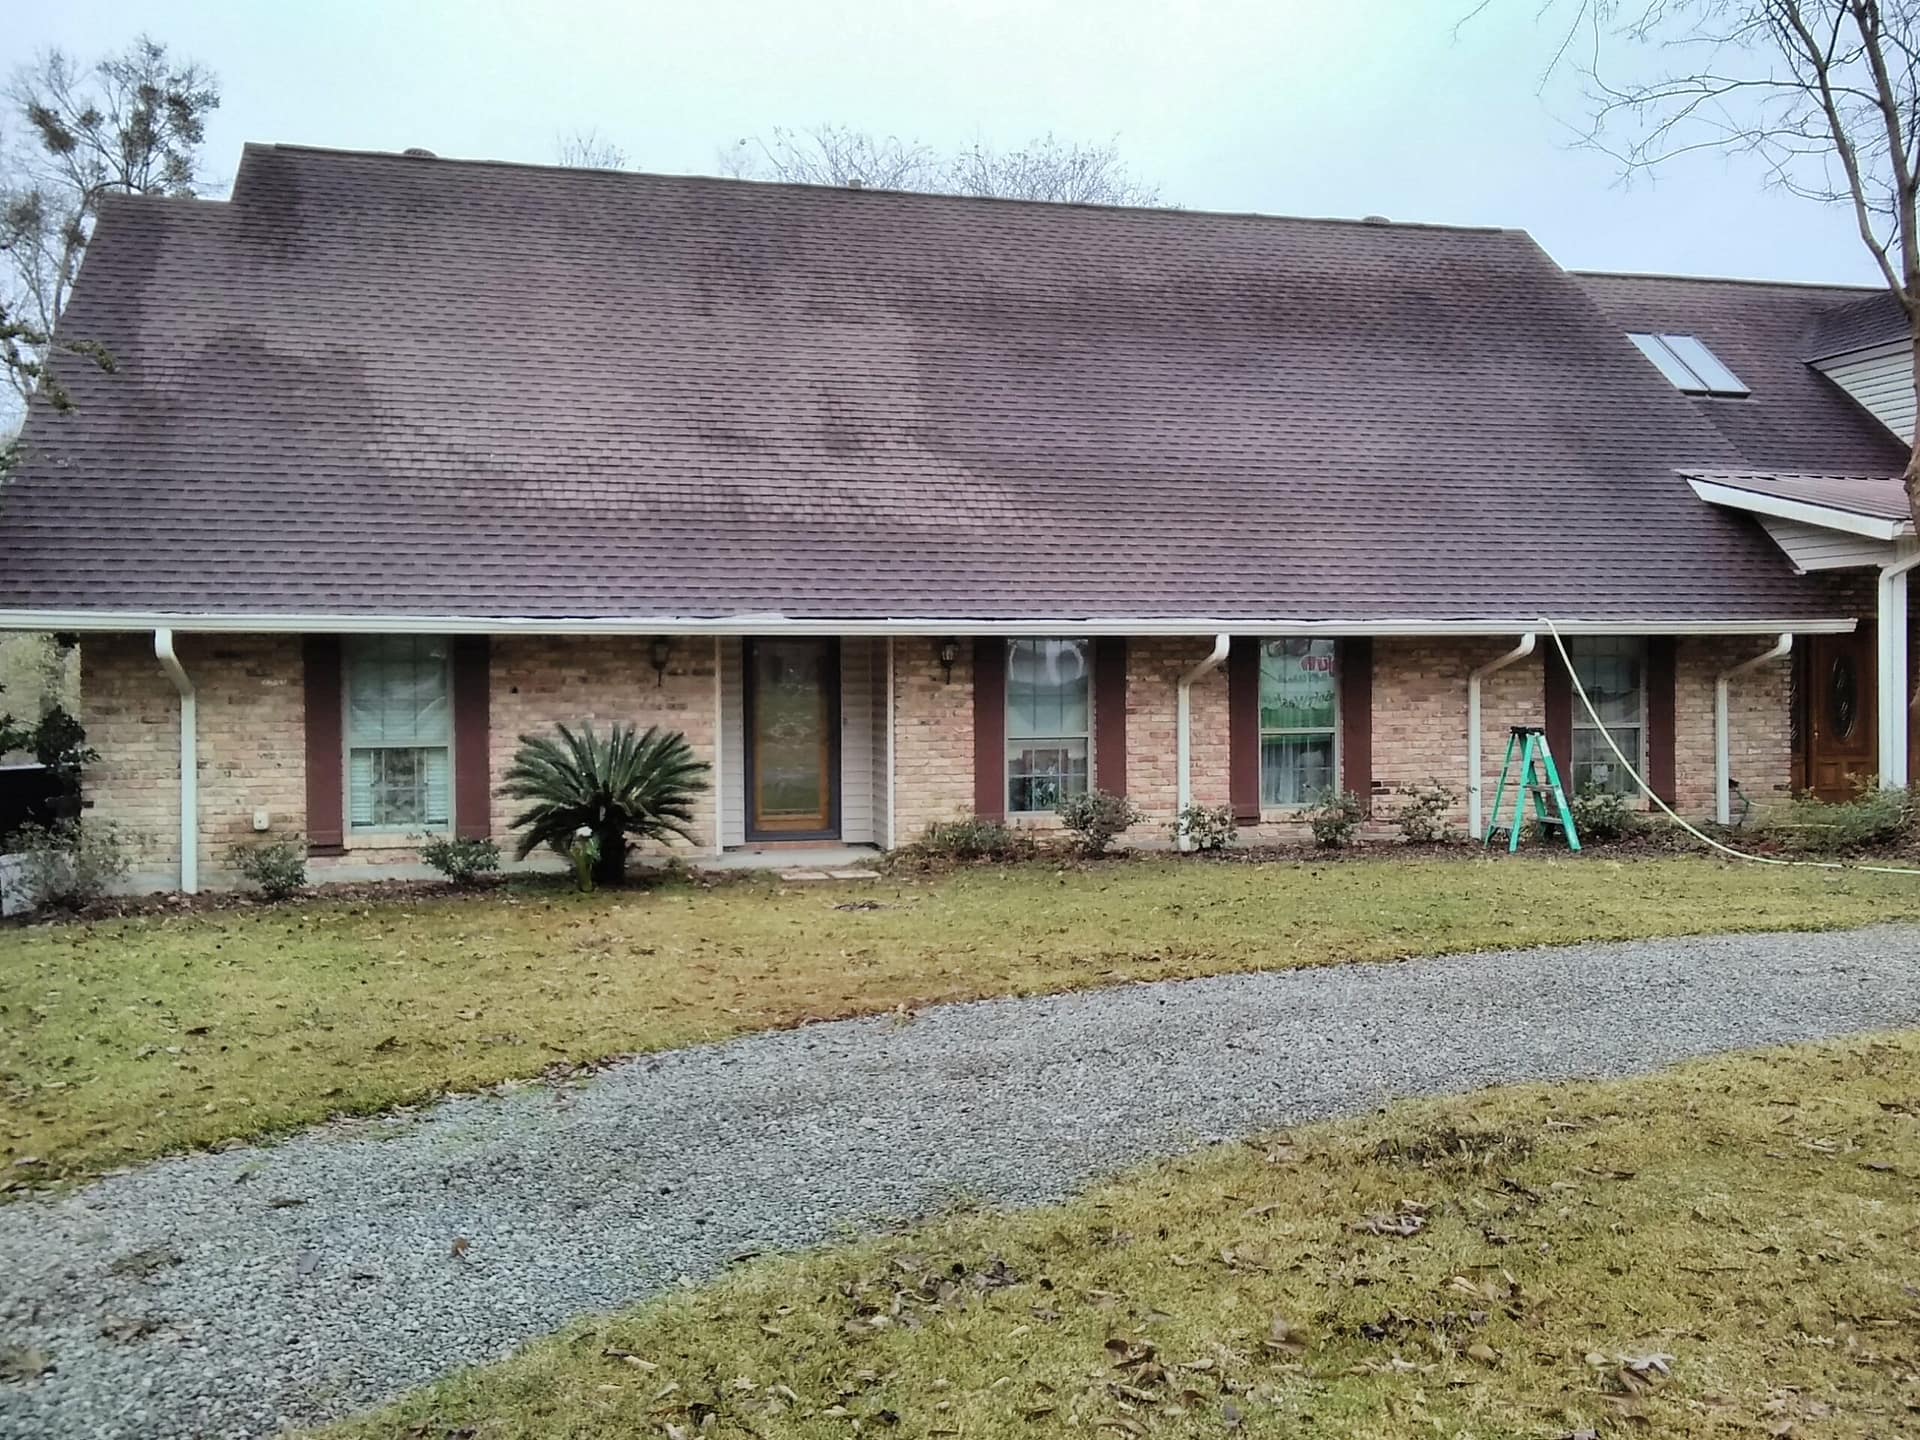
(1811, 547)
(1882, 381)
(856, 742)
(733, 744)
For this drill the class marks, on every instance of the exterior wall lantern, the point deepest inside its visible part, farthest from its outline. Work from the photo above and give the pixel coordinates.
(949, 652)
(662, 647)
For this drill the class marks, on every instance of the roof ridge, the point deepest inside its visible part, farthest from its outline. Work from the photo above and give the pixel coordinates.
(539, 167)
(1863, 290)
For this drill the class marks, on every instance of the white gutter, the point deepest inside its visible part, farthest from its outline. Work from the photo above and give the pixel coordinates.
(1183, 726)
(1896, 697)
(189, 762)
(771, 624)
(1722, 761)
(1474, 775)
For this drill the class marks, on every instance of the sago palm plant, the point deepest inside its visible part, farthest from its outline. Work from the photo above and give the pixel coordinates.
(623, 788)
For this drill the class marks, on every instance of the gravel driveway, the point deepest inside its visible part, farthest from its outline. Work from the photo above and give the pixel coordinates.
(231, 1294)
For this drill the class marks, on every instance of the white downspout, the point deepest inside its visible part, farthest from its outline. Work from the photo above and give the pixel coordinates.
(1895, 697)
(719, 748)
(189, 762)
(887, 833)
(1183, 725)
(1722, 760)
(1474, 777)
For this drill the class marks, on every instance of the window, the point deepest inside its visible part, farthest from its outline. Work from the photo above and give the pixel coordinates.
(1613, 671)
(1690, 365)
(399, 733)
(1049, 715)
(1299, 703)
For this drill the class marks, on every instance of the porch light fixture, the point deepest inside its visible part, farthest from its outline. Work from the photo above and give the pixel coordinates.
(662, 647)
(949, 652)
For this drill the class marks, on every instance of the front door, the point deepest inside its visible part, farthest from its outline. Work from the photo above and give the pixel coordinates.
(793, 739)
(1841, 742)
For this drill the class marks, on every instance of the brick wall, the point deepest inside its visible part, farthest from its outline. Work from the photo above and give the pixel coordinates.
(251, 744)
(932, 736)
(540, 681)
(1759, 724)
(252, 734)
(1419, 717)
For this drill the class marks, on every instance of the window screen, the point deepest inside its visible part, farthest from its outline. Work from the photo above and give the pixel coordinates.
(1049, 719)
(1299, 705)
(399, 733)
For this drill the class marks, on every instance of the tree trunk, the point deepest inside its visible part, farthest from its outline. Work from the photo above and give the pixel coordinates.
(611, 867)
(1911, 478)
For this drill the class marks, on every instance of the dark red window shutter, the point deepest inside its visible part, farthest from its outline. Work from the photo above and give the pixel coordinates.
(1243, 729)
(325, 714)
(472, 744)
(1558, 704)
(1660, 717)
(1110, 714)
(990, 728)
(1353, 662)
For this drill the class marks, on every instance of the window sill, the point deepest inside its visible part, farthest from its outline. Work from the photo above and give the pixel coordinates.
(391, 839)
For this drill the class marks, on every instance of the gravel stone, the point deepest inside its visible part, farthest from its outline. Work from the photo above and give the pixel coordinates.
(195, 1297)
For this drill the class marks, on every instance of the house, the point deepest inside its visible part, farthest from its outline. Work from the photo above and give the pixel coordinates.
(905, 506)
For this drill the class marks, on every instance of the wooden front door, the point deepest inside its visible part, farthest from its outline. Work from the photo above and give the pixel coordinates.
(793, 739)
(1839, 699)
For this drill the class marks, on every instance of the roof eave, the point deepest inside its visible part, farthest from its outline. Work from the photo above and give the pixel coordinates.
(211, 622)
(1827, 517)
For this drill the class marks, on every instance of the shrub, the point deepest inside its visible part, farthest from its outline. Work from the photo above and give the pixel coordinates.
(624, 788)
(1603, 817)
(1205, 827)
(1098, 818)
(1334, 816)
(69, 865)
(975, 839)
(277, 866)
(461, 861)
(1422, 817)
(1871, 819)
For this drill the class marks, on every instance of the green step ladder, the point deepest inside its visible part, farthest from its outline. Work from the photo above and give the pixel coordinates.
(1543, 784)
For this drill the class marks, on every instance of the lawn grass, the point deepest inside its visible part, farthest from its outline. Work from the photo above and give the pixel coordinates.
(1731, 1248)
(127, 1039)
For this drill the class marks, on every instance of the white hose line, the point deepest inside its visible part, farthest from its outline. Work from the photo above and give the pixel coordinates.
(1647, 790)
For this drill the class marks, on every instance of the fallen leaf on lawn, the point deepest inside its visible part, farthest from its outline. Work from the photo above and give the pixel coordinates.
(627, 1357)
(1403, 1223)
(1284, 1338)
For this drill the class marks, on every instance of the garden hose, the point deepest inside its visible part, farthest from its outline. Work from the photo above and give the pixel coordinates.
(1693, 830)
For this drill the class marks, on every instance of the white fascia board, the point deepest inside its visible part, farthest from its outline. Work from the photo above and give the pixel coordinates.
(1823, 516)
(764, 624)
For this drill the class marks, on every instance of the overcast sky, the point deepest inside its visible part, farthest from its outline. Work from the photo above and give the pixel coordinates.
(1349, 107)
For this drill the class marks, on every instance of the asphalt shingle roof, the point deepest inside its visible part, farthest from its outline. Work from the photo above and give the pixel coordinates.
(377, 384)
(1796, 419)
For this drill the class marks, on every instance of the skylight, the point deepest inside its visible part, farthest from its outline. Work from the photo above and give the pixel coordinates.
(1690, 366)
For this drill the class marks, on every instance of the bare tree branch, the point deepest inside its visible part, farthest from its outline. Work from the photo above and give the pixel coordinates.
(132, 123)
(1046, 168)
(1824, 94)
(587, 149)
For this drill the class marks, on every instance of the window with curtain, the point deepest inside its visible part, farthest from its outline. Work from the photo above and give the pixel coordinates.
(1613, 671)
(1299, 713)
(1049, 721)
(399, 733)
